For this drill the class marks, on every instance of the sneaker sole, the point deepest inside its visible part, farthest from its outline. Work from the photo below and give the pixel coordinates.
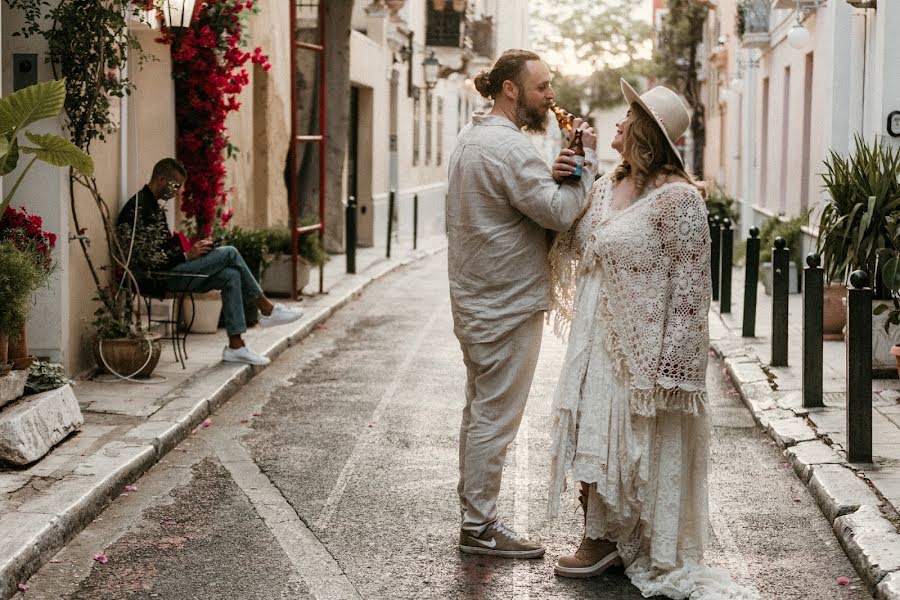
(536, 553)
(607, 562)
(244, 362)
(267, 325)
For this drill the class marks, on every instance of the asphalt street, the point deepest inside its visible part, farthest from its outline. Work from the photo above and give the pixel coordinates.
(332, 476)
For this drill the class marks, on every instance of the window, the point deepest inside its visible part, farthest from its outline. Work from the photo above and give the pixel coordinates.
(807, 132)
(417, 110)
(785, 137)
(440, 131)
(764, 145)
(443, 27)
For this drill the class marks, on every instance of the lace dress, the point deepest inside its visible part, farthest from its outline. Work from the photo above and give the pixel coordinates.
(647, 474)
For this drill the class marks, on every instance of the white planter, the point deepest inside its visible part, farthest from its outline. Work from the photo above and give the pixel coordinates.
(276, 279)
(202, 315)
(12, 385)
(883, 362)
(765, 275)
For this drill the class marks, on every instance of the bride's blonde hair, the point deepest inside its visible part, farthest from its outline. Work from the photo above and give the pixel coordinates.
(647, 155)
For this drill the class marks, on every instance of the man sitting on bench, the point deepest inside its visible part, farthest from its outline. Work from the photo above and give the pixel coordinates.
(223, 267)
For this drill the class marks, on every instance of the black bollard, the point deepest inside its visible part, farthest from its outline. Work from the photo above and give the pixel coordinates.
(415, 220)
(391, 200)
(715, 238)
(350, 219)
(859, 369)
(751, 283)
(780, 277)
(726, 248)
(813, 307)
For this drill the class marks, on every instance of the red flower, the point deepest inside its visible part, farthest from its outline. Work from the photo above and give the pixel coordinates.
(25, 232)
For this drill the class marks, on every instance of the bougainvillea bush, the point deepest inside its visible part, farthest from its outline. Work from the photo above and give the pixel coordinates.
(210, 70)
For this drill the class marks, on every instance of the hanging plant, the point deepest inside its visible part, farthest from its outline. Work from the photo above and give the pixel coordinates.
(209, 67)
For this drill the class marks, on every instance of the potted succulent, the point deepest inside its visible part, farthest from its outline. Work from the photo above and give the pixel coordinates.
(276, 279)
(792, 232)
(858, 230)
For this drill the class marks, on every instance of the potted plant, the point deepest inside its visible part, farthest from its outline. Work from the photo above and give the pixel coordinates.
(251, 243)
(858, 229)
(25, 232)
(791, 230)
(276, 278)
(20, 276)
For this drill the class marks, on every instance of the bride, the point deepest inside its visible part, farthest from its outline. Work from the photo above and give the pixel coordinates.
(631, 286)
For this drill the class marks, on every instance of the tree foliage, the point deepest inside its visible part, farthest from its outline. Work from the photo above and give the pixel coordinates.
(676, 63)
(606, 36)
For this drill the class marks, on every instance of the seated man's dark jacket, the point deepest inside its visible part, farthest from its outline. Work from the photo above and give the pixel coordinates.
(151, 216)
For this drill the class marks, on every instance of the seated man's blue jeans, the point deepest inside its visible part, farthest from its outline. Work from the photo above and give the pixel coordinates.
(226, 271)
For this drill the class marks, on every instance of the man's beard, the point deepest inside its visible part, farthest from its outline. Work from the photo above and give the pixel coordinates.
(533, 118)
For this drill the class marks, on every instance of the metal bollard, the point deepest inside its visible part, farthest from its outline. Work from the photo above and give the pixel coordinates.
(726, 248)
(813, 307)
(859, 369)
(350, 219)
(415, 220)
(715, 237)
(391, 200)
(751, 283)
(780, 262)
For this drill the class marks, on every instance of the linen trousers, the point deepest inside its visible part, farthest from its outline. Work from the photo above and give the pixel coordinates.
(498, 379)
(228, 272)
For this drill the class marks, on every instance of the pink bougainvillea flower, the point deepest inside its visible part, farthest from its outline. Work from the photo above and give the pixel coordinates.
(843, 580)
(242, 421)
(23, 587)
(130, 488)
(206, 423)
(102, 558)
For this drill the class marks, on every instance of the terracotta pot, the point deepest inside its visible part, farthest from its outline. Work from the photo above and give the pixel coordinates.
(895, 350)
(459, 5)
(834, 312)
(4, 348)
(21, 363)
(439, 5)
(128, 357)
(18, 348)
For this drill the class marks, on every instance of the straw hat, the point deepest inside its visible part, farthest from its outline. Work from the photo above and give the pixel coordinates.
(666, 108)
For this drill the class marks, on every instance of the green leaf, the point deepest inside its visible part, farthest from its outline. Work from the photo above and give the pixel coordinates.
(4, 147)
(890, 274)
(34, 103)
(880, 309)
(10, 159)
(59, 151)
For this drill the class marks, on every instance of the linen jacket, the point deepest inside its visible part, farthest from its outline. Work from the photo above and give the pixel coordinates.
(501, 202)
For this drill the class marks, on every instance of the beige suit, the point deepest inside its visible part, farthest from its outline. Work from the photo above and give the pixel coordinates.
(501, 201)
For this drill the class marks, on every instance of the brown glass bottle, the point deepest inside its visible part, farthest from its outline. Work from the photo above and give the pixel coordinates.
(578, 147)
(565, 119)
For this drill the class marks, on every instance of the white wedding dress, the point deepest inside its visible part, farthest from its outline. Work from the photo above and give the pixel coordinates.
(647, 475)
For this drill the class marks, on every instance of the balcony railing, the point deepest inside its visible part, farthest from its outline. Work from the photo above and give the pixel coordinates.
(444, 27)
(752, 23)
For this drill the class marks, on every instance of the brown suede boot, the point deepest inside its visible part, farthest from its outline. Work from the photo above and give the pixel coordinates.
(592, 557)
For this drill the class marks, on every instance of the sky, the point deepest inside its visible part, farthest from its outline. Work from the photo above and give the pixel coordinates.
(643, 9)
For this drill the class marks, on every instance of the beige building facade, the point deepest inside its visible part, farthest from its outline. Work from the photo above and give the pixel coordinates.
(403, 130)
(785, 81)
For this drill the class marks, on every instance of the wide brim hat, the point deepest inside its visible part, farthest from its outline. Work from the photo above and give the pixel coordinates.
(667, 110)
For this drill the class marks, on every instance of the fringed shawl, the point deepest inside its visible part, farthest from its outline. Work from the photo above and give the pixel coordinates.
(654, 258)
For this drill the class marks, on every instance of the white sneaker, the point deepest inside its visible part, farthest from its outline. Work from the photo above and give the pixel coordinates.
(280, 315)
(244, 355)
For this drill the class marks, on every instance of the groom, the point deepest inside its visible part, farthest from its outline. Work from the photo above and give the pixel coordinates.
(502, 200)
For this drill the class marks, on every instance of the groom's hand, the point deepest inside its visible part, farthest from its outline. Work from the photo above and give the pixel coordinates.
(564, 165)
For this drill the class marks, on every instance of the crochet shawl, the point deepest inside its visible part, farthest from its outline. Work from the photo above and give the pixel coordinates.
(654, 260)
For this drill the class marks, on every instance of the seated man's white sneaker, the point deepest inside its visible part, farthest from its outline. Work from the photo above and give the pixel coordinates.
(280, 315)
(244, 355)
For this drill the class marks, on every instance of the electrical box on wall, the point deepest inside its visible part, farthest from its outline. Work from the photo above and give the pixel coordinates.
(25, 70)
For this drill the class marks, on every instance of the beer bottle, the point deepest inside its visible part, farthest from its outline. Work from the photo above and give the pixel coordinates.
(565, 119)
(578, 147)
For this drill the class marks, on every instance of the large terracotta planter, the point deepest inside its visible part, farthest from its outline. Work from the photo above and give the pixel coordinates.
(4, 348)
(18, 347)
(128, 357)
(834, 316)
(276, 280)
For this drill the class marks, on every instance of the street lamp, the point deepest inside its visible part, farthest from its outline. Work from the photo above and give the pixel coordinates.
(798, 36)
(432, 67)
(178, 13)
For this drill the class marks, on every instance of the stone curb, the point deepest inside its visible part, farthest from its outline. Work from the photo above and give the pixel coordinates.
(38, 529)
(846, 499)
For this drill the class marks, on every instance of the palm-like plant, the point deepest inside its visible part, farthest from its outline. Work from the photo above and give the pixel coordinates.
(859, 223)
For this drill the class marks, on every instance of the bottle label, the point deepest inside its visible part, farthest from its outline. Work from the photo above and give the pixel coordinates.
(579, 165)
